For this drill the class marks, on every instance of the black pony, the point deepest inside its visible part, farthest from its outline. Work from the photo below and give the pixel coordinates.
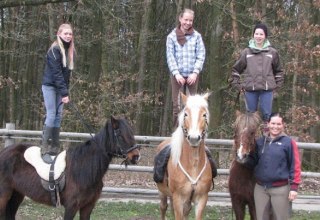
(86, 164)
(241, 179)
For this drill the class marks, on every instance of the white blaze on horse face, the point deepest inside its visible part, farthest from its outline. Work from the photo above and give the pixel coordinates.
(196, 114)
(239, 152)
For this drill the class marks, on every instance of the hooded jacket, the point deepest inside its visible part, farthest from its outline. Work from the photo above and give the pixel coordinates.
(276, 162)
(260, 69)
(55, 74)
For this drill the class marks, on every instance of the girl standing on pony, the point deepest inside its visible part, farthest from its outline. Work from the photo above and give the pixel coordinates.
(55, 88)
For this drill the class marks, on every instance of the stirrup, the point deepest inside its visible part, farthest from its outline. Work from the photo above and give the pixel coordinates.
(47, 158)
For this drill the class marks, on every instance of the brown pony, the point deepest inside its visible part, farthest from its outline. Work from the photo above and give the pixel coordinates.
(86, 165)
(241, 179)
(188, 178)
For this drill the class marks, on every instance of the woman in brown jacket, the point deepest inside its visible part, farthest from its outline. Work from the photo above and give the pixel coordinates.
(258, 73)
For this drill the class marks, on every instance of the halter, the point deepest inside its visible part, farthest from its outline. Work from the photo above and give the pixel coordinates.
(123, 152)
(193, 181)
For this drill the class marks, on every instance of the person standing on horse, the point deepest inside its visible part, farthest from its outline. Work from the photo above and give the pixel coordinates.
(262, 73)
(186, 53)
(55, 88)
(277, 169)
(185, 57)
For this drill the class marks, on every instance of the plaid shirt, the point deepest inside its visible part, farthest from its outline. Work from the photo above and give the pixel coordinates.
(188, 58)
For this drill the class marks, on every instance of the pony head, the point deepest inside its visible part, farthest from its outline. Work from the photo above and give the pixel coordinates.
(245, 129)
(194, 118)
(193, 124)
(124, 141)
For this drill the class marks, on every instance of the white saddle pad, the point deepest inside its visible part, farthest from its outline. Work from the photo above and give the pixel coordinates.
(33, 156)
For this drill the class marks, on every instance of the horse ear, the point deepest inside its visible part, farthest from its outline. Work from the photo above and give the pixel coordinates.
(206, 95)
(183, 98)
(114, 122)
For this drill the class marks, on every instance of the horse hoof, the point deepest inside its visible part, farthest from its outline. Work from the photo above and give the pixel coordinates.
(47, 158)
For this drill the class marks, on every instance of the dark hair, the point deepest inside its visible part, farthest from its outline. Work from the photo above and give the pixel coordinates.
(261, 26)
(276, 114)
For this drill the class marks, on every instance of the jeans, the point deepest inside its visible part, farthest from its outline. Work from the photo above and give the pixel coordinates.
(264, 98)
(54, 106)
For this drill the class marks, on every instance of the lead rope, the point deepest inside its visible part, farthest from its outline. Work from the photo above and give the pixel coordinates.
(193, 182)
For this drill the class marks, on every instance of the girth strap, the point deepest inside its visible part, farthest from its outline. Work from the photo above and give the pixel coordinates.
(53, 186)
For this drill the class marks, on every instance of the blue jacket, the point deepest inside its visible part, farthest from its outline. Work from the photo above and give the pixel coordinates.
(54, 73)
(276, 162)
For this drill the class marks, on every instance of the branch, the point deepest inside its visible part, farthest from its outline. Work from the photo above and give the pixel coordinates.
(15, 3)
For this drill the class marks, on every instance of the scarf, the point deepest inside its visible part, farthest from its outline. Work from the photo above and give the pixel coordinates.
(181, 37)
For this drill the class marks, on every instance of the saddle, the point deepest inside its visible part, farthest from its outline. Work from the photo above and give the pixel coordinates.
(52, 175)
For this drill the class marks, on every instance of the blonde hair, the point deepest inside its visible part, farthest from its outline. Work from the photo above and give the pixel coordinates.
(71, 49)
(186, 10)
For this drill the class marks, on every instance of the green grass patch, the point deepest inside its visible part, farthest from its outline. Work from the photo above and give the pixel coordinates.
(134, 211)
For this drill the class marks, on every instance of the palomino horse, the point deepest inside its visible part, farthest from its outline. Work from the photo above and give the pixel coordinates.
(188, 178)
(241, 179)
(86, 165)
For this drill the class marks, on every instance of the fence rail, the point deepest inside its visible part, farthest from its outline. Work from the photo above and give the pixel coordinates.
(9, 134)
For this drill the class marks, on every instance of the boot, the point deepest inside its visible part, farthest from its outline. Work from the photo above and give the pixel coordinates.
(160, 164)
(55, 147)
(212, 163)
(46, 142)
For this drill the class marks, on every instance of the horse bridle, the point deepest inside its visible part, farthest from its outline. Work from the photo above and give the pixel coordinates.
(123, 152)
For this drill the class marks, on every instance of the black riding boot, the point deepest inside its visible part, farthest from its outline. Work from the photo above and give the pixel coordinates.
(55, 147)
(46, 144)
(212, 163)
(160, 164)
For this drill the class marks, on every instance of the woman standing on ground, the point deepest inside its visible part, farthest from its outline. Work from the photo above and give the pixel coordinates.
(277, 169)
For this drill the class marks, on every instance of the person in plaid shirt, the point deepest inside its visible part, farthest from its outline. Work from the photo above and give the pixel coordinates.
(185, 57)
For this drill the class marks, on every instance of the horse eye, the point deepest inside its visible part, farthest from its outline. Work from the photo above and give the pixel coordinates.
(204, 115)
(185, 114)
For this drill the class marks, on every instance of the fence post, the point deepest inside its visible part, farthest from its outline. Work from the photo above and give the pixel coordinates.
(8, 140)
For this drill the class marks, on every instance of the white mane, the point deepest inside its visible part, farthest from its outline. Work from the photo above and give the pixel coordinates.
(196, 101)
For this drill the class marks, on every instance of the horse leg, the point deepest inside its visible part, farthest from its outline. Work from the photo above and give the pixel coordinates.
(86, 211)
(13, 205)
(239, 208)
(70, 212)
(200, 206)
(163, 205)
(252, 210)
(178, 205)
(5, 195)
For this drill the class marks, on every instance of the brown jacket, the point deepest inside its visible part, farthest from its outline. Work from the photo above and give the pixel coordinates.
(260, 70)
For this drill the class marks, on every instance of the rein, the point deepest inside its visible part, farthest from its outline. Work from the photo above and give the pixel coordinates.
(193, 181)
(77, 112)
(116, 133)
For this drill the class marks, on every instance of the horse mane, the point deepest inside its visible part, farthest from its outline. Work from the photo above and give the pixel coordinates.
(90, 160)
(195, 101)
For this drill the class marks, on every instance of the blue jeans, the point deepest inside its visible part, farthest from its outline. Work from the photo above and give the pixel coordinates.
(263, 98)
(54, 106)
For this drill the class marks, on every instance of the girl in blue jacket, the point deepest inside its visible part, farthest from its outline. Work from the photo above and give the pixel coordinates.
(277, 170)
(55, 88)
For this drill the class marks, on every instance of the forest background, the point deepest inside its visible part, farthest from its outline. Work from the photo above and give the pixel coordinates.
(121, 65)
